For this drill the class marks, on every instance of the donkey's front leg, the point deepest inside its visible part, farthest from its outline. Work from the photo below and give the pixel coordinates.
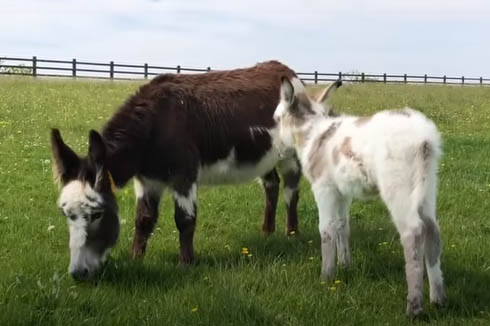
(327, 200)
(290, 170)
(148, 195)
(185, 200)
(270, 182)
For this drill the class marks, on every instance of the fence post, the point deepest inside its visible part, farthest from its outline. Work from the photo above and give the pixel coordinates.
(340, 75)
(481, 80)
(384, 78)
(362, 77)
(316, 77)
(209, 68)
(178, 69)
(405, 78)
(34, 66)
(74, 68)
(462, 80)
(425, 79)
(111, 70)
(146, 71)
(444, 79)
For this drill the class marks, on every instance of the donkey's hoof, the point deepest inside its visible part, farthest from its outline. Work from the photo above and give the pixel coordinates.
(138, 252)
(292, 232)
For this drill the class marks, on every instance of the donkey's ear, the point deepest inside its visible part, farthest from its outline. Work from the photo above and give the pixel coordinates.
(65, 162)
(287, 90)
(96, 149)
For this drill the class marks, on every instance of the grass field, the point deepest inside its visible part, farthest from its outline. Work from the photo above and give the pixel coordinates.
(279, 283)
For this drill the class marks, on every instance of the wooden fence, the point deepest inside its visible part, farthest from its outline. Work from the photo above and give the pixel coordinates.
(81, 69)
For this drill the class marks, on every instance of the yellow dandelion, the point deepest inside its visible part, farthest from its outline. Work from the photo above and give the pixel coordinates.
(194, 309)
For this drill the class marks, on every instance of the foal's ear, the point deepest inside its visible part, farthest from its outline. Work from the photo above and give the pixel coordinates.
(325, 95)
(96, 149)
(287, 90)
(65, 162)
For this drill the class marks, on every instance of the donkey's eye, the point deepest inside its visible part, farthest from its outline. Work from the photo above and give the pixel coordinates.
(96, 216)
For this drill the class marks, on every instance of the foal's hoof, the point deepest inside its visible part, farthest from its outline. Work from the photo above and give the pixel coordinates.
(438, 298)
(414, 308)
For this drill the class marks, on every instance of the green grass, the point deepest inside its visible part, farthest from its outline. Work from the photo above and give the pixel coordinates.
(279, 284)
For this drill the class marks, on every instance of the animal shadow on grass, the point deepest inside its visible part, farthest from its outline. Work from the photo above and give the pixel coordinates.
(467, 288)
(165, 271)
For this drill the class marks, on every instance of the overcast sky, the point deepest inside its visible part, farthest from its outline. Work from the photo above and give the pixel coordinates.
(393, 36)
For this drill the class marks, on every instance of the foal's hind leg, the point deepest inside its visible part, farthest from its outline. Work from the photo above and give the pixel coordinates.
(270, 182)
(433, 249)
(148, 195)
(290, 171)
(185, 200)
(412, 234)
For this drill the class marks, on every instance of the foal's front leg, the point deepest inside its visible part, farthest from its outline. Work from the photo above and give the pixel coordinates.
(185, 200)
(328, 203)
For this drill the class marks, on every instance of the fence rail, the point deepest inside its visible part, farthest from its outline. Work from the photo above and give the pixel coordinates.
(110, 70)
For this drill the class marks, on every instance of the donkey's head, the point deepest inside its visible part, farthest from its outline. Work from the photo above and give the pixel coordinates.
(296, 109)
(88, 201)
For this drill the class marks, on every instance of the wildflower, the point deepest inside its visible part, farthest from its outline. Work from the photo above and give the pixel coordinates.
(245, 251)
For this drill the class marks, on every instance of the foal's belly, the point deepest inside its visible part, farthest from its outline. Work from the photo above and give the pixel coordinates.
(229, 170)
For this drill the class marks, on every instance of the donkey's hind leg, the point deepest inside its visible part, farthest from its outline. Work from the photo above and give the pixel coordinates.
(185, 200)
(148, 194)
(270, 182)
(290, 170)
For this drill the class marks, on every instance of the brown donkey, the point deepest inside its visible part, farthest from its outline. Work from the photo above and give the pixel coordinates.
(175, 133)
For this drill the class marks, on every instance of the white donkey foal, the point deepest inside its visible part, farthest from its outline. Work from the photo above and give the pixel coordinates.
(393, 153)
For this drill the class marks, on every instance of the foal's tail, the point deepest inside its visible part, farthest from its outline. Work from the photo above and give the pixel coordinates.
(425, 173)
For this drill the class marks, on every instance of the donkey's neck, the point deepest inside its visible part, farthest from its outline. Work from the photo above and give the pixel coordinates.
(127, 136)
